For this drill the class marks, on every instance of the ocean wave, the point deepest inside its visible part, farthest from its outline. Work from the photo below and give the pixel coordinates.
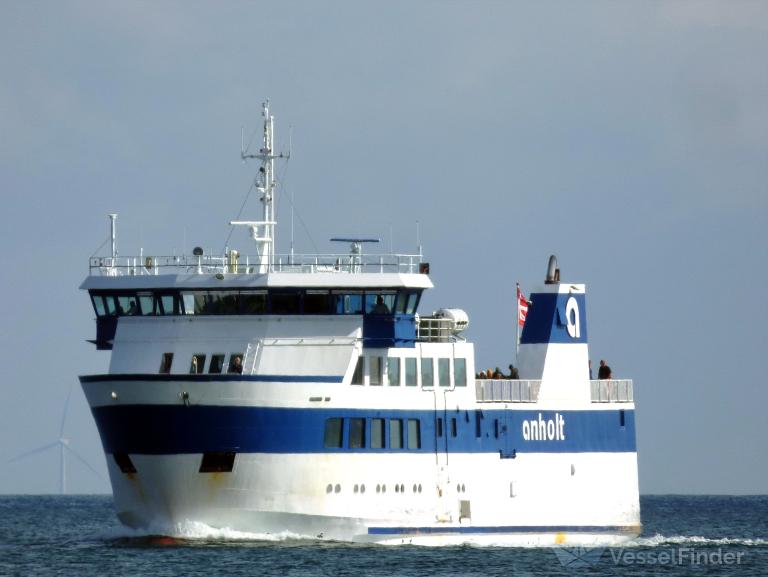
(195, 531)
(664, 540)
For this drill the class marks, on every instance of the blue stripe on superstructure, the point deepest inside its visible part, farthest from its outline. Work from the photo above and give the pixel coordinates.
(546, 320)
(204, 377)
(501, 529)
(179, 429)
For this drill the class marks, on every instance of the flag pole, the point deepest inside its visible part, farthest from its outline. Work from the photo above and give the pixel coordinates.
(517, 321)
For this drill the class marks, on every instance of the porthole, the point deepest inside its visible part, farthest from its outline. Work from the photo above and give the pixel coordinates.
(337, 488)
(402, 488)
(419, 487)
(356, 489)
(383, 488)
(397, 488)
(362, 488)
(414, 487)
(329, 488)
(378, 488)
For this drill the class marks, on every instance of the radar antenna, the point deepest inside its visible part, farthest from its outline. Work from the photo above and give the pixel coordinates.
(263, 231)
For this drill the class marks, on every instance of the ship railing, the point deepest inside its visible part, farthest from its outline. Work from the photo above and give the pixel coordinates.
(437, 330)
(612, 391)
(507, 390)
(232, 263)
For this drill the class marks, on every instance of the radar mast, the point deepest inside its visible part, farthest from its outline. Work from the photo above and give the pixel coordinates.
(263, 231)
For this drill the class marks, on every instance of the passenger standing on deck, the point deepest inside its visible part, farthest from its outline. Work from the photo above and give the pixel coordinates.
(604, 372)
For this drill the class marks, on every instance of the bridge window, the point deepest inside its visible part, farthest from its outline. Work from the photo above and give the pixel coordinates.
(444, 372)
(410, 372)
(395, 433)
(357, 376)
(374, 370)
(439, 426)
(253, 302)
(427, 372)
(317, 302)
(377, 433)
(348, 303)
(407, 302)
(414, 434)
(453, 427)
(393, 371)
(170, 304)
(478, 424)
(217, 363)
(333, 433)
(98, 305)
(109, 305)
(148, 304)
(460, 372)
(379, 303)
(165, 363)
(285, 302)
(357, 433)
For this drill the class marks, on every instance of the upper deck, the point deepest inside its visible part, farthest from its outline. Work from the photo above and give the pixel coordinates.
(232, 269)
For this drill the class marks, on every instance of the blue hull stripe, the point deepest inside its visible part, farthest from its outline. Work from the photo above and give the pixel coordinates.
(178, 429)
(215, 377)
(521, 529)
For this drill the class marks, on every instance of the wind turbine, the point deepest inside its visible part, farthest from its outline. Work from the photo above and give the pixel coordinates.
(64, 448)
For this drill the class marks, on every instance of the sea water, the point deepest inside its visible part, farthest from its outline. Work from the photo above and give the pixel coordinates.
(80, 535)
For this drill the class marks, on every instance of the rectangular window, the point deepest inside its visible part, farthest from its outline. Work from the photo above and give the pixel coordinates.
(393, 371)
(395, 433)
(147, 304)
(348, 303)
(444, 372)
(285, 303)
(317, 302)
(496, 428)
(374, 370)
(357, 433)
(427, 373)
(253, 302)
(217, 462)
(357, 376)
(439, 426)
(478, 424)
(225, 303)
(169, 304)
(453, 427)
(217, 363)
(460, 372)
(126, 305)
(379, 303)
(165, 363)
(413, 303)
(198, 364)
(235, 363)
(98, 305)
(333, 437)
(109, 304)
(188, 300)
(377, 433)
(414, 434)
(410, 372)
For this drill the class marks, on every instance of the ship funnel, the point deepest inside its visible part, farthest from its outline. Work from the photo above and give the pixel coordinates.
(553, 273)
(553, 344)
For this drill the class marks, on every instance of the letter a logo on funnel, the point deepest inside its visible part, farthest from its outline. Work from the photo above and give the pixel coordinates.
(572, 318)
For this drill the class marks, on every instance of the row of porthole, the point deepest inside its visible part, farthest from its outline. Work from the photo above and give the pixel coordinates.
(330, 488)
(461, 488)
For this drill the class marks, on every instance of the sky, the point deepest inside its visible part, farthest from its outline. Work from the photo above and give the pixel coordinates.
(628, 138)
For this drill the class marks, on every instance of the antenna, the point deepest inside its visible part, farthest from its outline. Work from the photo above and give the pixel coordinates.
(263, 231)
(113, 235)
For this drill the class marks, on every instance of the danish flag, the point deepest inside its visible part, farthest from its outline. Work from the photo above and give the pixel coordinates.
(522, 307)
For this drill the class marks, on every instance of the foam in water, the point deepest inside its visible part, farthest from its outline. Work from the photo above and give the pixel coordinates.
(197, 531)
(662, 540)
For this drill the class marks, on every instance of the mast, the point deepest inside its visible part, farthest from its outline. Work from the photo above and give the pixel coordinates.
(263, 231)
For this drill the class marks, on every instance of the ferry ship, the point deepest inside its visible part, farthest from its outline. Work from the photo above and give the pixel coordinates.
(305, 394)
